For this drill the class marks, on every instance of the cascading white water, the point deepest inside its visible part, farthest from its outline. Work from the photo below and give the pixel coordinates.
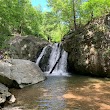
(56, 53)
(61, 67)
(40, 56)
(54, 56)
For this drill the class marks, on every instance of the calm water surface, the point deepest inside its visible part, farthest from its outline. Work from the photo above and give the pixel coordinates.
(65, 93)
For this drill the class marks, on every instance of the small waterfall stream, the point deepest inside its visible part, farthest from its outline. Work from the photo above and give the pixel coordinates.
(57, 60)
(40, 56)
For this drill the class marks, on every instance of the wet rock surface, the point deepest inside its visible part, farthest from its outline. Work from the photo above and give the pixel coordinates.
(20, 73)
(26, 47)
(89, 49)
(4, 94)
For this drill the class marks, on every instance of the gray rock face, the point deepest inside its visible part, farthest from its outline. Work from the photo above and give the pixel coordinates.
(4, 93)
(20, 73)
(26, 47)
(44, 60)
(89, 49)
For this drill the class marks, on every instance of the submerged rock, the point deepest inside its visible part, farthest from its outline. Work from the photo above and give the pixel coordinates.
(89, 48)
(20, 73)
(12, 99)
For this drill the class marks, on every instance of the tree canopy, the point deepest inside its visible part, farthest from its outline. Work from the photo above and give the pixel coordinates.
(19, 16)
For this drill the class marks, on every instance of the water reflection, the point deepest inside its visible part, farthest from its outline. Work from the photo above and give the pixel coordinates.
(66, 93)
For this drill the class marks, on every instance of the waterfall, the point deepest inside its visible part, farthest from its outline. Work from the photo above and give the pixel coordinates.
(42, 53)
(62, 65)
(57, 59)
(54, 55)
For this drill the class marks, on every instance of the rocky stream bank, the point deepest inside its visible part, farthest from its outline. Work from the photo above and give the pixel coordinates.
(17, 73)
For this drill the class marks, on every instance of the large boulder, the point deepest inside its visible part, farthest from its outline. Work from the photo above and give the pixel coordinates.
(89, 48)
(20, 73)
(27, 47)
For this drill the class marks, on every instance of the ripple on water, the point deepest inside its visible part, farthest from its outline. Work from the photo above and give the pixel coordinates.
(65, 93)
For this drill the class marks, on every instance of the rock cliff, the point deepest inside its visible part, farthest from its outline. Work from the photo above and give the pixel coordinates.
(89, 48)
(26, 47)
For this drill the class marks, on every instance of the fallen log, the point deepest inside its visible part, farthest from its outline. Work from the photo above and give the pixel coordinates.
(56, 62)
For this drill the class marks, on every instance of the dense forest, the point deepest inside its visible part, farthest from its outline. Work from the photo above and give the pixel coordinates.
(20, 17)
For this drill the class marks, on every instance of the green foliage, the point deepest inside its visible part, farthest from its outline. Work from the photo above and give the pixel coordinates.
(19, 16)
(51, 28)
(94, 8)
(3, 39)
(66, 11)
(85, 10)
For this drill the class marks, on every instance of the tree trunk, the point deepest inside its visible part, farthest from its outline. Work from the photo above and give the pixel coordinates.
(56, 62)
(74, 15)
(80, 22)
(92, 15)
